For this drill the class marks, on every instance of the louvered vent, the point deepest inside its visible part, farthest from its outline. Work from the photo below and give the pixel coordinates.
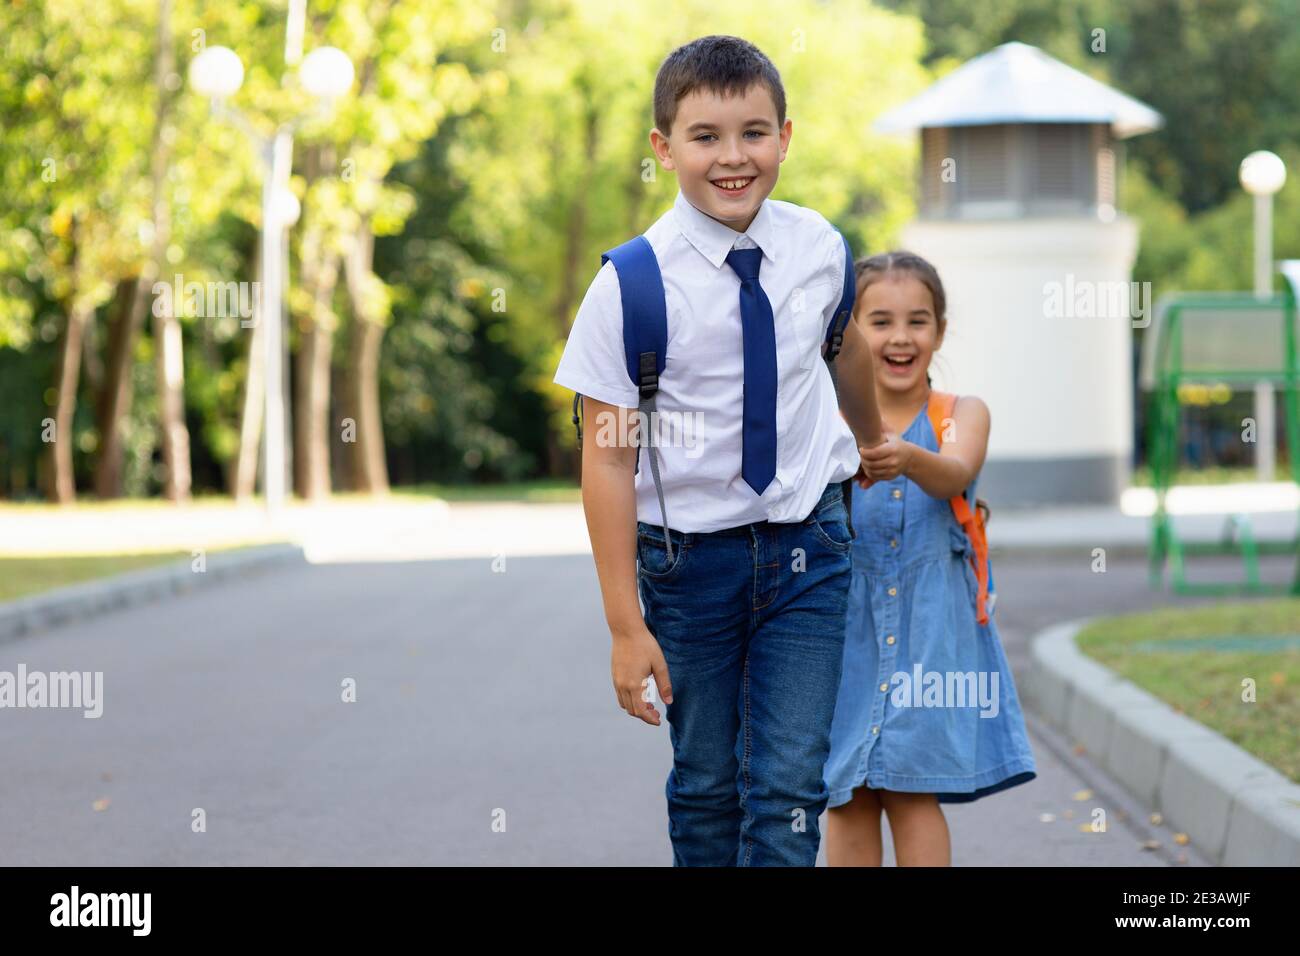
(982, 172)
(1056, 161)
(1019, 170)
(934, 191)
(1106, 177)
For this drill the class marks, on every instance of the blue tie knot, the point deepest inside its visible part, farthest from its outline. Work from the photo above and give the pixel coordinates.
(745, 262)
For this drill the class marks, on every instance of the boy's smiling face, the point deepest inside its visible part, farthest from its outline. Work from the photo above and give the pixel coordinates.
(726, 151)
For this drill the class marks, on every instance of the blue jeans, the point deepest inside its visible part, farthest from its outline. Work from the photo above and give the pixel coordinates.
(751, 623)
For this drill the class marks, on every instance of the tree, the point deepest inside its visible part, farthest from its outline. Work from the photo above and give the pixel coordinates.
(71, 166)
(404, 92)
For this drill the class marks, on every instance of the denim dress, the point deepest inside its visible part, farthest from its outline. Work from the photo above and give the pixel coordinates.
(926, 700)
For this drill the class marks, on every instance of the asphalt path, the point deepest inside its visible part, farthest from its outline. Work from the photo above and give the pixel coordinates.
(484, 729)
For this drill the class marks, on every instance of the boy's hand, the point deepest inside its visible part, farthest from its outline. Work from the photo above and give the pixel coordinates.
(637, 656)
(888, 460)
(864, 480)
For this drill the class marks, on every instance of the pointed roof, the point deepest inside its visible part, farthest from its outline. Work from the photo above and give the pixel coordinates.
(1019, 83)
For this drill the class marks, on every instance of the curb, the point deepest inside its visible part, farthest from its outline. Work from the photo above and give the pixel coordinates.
(1237, 809)
(40, 612)
(1065, 549)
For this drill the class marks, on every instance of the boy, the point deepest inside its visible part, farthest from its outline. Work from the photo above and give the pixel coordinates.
(743, 627)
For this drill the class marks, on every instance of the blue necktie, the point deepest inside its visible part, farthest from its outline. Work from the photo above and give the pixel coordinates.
(758, 454)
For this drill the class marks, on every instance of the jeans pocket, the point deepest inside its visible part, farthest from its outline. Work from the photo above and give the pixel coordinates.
(831, 525)
(652, 554)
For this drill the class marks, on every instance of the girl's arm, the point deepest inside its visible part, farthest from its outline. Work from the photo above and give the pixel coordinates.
(941, 474)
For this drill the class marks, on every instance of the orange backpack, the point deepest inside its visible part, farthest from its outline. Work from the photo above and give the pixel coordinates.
(940, 409)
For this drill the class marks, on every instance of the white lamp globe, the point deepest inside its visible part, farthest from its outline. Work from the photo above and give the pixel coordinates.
(1262, 173)
(216, 72)
(326, 72)
(287, 208)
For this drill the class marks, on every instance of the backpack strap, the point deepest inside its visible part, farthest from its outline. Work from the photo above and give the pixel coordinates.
(843, 311)
(831, 348)
(641, 288)
(645, 343)
(940, 408)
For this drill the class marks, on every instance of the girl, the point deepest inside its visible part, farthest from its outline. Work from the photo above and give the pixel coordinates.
(927, 711)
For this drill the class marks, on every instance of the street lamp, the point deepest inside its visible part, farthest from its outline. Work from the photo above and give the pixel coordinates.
(1262, 174)
(327, 74)
(216, 73)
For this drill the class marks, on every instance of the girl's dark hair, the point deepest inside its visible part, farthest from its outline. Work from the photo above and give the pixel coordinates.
(871, 268)
(725, 65)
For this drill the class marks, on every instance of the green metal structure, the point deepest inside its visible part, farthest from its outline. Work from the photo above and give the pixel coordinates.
(1205, 338)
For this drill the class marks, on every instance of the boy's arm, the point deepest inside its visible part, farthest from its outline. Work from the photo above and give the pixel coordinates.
(609, 502)
(857, 387)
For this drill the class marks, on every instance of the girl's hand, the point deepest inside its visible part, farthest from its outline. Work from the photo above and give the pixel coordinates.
(886, 461)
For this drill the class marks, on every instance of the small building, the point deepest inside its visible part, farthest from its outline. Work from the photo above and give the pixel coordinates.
(1019, 210)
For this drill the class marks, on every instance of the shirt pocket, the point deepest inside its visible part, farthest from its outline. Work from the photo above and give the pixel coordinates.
(805, 311)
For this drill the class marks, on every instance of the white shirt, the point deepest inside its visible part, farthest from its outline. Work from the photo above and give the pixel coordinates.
(700, 398)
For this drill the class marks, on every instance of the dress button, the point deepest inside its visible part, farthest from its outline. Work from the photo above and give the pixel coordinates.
(875, 730)
(884, 686)
(893, 591)
(889, 639)
(898, 493)
(893, 542)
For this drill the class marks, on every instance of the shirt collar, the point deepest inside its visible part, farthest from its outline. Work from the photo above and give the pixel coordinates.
(715, 239)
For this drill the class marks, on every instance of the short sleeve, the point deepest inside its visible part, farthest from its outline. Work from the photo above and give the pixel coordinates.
(834, 266)
(593, 362)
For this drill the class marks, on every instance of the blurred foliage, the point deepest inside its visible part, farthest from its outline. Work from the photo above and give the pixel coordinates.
(496, 148)
(1223, 72)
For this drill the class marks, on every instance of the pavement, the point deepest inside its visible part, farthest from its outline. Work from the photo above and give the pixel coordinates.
(484, 730)
(405, 528)
(410, 528)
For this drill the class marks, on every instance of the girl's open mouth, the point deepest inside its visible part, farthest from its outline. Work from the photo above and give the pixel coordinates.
(900, 364)
(733, 187)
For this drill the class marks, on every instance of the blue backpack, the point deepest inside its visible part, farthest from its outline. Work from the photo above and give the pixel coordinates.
(645, 338)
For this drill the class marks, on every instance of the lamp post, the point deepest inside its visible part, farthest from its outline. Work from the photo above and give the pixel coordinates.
(1262, 174)
(326, 73)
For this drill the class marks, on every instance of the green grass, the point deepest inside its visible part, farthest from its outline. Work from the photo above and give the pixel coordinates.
(543, 489)
(25, 576)
(20, 577)
(548, 489)
(122, 504)
(1207, 685)
(1211, 476)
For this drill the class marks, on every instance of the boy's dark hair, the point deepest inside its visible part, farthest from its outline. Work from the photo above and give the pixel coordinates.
(725, 65)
